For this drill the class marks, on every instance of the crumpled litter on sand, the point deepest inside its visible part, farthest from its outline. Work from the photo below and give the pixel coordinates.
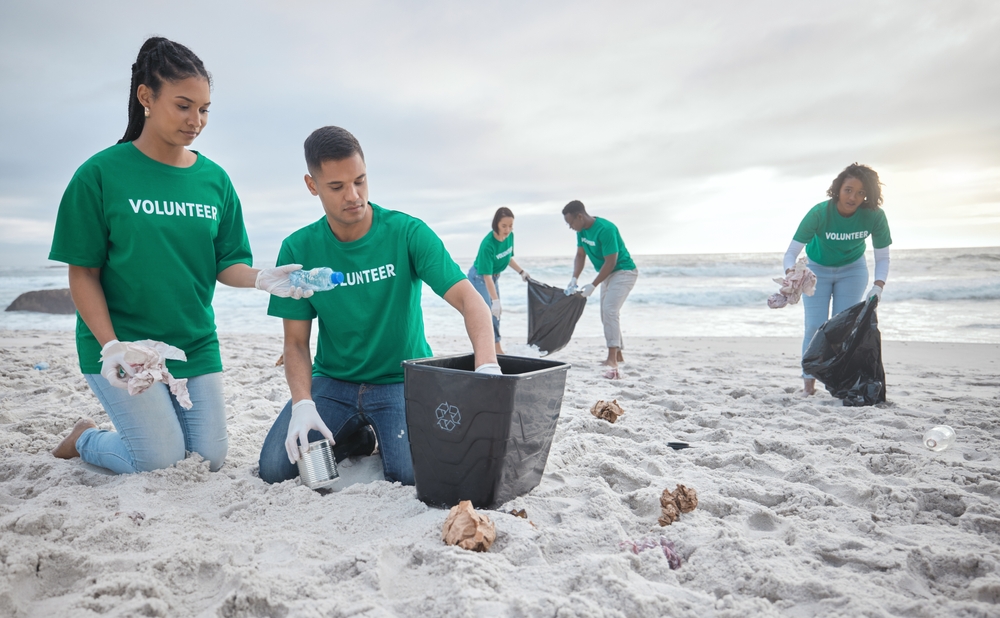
(468, 529)
(793, 285)
(673, 558)
(609, 411)
(673, 503)
(148, 360)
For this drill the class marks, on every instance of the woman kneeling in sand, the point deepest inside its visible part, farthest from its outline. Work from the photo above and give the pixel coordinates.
(143, 266)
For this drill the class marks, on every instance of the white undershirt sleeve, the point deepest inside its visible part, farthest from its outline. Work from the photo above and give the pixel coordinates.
(881, 264)
(794, 249)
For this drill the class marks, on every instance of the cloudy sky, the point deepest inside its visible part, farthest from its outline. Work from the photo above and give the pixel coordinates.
(697, 127)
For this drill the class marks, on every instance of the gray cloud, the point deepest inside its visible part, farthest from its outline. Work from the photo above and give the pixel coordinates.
(695, 126)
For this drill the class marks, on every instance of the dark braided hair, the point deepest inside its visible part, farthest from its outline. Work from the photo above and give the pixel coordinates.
(159, 60)
(869, 180)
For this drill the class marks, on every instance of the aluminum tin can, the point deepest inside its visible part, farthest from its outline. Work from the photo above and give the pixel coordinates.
(317, 467)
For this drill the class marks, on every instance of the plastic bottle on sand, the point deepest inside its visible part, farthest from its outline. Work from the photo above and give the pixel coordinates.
(317, 279)
(939, 438)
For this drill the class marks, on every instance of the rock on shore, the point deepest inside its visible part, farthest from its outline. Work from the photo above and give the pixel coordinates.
(44, 301)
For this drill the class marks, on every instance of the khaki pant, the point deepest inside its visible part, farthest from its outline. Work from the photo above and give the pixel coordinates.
(614, 290)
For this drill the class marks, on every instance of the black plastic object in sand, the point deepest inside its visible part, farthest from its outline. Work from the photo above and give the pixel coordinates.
(845, 355)
(552, 316)
(479, 437)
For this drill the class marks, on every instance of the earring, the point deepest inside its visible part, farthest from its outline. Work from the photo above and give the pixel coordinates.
(147, 111)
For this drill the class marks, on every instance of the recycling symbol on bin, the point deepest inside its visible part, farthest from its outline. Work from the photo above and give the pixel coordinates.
(448, 417)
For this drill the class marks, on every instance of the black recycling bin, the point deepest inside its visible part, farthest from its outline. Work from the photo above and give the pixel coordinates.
(478, 437)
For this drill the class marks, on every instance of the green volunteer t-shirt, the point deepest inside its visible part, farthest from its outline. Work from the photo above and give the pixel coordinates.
(494, 255)
(834, 240)
(601, 239)
(160, 235)
(373, 322)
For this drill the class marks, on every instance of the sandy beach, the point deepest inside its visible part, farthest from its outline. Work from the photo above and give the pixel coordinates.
(806, 508)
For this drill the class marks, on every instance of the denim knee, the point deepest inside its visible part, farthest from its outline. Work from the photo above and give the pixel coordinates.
(162, 458)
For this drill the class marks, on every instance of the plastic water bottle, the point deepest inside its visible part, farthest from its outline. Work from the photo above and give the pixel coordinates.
(41, 365)
(939, 438)
(317, 279)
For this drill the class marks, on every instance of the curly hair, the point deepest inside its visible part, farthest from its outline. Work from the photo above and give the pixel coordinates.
(502, 212)
(869, 179)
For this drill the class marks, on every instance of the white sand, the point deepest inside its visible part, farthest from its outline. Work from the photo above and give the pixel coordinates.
(807, 508)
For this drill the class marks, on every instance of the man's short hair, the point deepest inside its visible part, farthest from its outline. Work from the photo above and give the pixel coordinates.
(574, 208)
(330, 144)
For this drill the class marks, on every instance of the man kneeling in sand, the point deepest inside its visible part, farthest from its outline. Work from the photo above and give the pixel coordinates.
(353, 392)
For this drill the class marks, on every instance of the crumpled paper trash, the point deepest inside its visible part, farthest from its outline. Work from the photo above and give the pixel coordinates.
(793, 285)
(148, 360)
(609, 411)
(673, 503)
(468, 529)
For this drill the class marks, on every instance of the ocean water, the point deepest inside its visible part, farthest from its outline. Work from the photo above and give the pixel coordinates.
(931, 295)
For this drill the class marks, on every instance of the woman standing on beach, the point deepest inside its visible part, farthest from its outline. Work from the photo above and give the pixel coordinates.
(833, 233)
(496, 252)
(147, 228)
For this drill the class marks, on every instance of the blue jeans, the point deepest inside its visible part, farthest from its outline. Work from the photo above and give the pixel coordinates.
(845, 285)
(153, 430)
(480, 284)
(346, 407)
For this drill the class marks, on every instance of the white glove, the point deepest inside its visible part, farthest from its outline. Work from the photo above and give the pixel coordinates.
(875, 291)
(524, 275)
(304, 418)
(275, 281)
(489, 368)
(495, 307)
(587, 290)
(571, 287)
(113, 364)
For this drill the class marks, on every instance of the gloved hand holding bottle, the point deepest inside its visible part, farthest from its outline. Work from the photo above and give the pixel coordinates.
(570, 287)
(276, 281)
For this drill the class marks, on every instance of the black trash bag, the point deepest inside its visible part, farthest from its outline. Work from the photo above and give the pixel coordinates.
(552, 316)
(845, 355)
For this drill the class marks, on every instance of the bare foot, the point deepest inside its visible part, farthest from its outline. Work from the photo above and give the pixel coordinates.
(67, 448)
(614, 357)
(499, 350)
(809, 386)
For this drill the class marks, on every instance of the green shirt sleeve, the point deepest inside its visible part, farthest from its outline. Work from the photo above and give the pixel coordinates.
(289, 308)
(231, 244)
(880, 231)
(485, 258)
(81, 234)
(608, 240)
(809, 225)
(431, 261)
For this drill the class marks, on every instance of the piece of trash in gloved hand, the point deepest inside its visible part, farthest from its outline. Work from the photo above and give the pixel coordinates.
(673, 558)
(609, 411)
(468, 529)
